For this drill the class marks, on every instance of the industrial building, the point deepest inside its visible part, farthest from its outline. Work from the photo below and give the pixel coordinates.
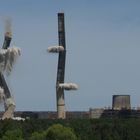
(121, 108)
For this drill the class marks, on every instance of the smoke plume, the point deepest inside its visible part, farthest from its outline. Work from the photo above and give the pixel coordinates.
(8, 58)
(55, 49)
(68, 86)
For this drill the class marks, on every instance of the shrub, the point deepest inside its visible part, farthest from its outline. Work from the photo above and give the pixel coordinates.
(59, 132)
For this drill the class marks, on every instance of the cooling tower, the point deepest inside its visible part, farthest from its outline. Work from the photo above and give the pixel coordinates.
(121, 102)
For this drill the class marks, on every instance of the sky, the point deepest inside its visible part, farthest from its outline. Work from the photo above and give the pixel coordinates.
(103, 52)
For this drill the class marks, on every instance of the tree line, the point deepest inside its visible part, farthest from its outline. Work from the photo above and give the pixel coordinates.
(73, 129)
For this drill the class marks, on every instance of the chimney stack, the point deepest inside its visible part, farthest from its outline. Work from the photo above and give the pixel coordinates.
(61, 68)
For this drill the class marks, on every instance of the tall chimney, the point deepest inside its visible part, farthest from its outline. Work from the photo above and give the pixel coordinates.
(8, 33)
(61, 68)
(6, 45)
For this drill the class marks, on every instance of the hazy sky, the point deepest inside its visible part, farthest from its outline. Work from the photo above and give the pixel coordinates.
(103, 51)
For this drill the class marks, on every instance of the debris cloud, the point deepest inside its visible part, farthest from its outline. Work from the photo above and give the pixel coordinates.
(8, 58)
(68, 86)
(55, 49)
(9, 102)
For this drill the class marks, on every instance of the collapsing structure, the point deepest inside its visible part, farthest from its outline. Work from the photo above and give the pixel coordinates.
(7, 59)
(60, 85)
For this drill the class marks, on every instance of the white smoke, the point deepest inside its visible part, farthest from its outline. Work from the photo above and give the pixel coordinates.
(55, 49)
(68, 86)
(9, 101)
(8, 58)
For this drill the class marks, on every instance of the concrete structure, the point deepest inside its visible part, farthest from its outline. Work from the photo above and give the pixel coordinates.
(60, 84)
(110, 113)
(91, 114)
(61, 68)
(120, 102)
(95, 112)
(8, 101)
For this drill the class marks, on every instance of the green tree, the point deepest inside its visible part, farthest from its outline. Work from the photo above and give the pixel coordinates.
(59, 132)
(13, 135)
(38, 136)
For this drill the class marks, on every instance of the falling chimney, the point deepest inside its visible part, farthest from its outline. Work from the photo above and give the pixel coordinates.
(61, 68)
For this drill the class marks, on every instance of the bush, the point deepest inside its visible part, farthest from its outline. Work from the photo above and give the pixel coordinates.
(38, 136)
(59, 132)
(13, 135)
